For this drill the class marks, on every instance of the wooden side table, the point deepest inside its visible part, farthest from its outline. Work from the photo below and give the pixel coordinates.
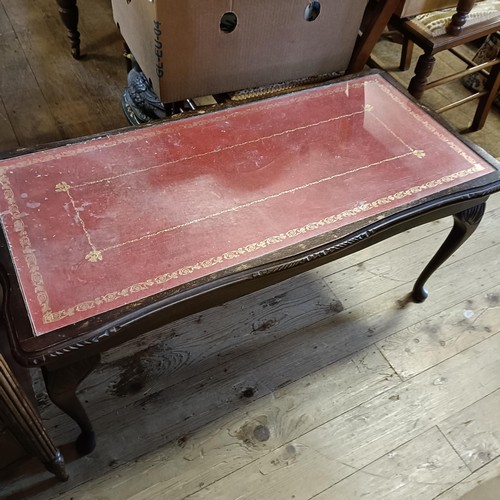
(110, 237)
(24, 422)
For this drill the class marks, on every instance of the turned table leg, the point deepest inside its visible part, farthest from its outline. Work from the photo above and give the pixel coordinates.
(61, 384)
(68, 10)
(465, 223)
(25, 423)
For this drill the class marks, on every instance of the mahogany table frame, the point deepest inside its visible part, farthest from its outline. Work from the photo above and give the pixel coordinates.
(69, 354)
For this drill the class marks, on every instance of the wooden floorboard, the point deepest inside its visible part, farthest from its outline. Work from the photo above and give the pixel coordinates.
(48, 95)
(426, 466)
(483, 484)
(328, 386)
(30, 116)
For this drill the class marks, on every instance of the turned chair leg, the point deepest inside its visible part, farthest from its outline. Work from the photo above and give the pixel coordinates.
(423, 69)
(465, 223)
(375, 19)
(68, 10)
(460, 17)
(406, 53)
(486, 101)
(61, 384)
(25, 423)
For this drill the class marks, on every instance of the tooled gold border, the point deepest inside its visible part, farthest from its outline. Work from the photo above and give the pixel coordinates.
(419, 115)
(37, 279)
(51, 317)
(28, 252)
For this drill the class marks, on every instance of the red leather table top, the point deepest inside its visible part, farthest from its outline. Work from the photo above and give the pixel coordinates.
(96, 225)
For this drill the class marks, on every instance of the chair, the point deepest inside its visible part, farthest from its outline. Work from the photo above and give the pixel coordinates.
(376, 16)
(68, 10)
(24, 421)
(448, 29)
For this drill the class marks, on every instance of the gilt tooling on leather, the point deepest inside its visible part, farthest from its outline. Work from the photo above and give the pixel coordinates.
(100, 224)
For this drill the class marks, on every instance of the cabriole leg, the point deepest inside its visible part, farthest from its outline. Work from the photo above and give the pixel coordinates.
(61, 384)
(465, 223)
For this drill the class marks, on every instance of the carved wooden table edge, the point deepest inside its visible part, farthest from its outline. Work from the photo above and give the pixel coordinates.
(69, 354)
(25, 423)
(119, 325)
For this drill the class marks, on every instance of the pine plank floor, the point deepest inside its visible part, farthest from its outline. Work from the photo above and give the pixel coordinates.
(328, 386)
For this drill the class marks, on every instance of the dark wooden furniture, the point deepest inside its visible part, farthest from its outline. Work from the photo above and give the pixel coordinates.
(68, 10)
(375, 18)
(458, 30)
(24, 422)
(113, 236)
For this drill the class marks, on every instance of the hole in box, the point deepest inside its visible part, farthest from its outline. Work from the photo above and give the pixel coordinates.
(228, 22)
(312, 10)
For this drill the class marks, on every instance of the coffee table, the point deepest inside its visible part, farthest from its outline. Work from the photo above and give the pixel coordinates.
(110, 237)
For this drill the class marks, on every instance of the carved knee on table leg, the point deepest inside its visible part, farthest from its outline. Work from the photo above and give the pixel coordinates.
(465, 223)
(61, 387)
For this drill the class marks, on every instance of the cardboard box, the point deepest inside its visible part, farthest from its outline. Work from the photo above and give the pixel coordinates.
(408, 8)
(194, 48)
